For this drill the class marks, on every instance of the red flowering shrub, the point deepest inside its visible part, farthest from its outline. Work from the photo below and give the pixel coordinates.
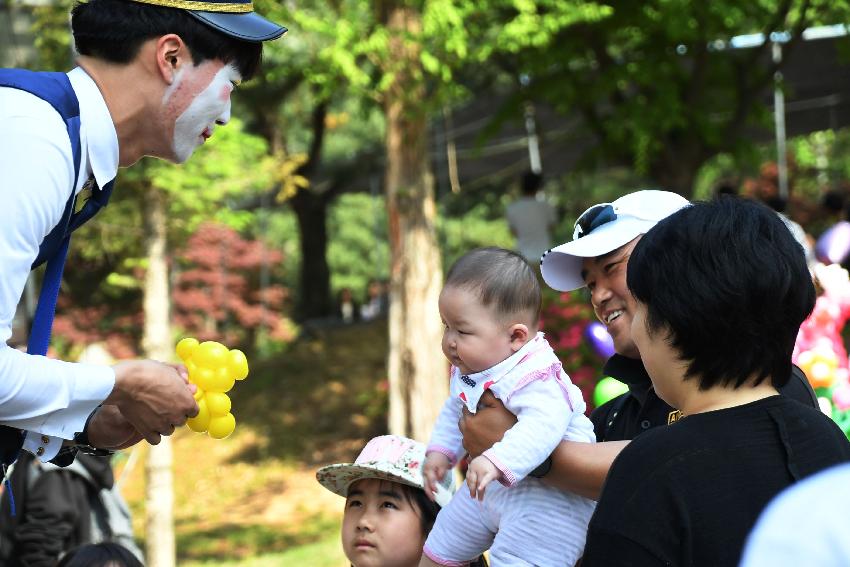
(217, 294)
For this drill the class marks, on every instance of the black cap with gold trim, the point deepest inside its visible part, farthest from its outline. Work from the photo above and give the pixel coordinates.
(235, 18)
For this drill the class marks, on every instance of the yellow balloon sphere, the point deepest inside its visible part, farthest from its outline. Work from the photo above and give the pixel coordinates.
(205, 378)
(192, 367)
(211, 354)
(199, 394)
(220, 380)
(221, 427)
(832, 362)
(186, 347)
(238, 364)
(217, 403)
(227, 386)
(200, 422)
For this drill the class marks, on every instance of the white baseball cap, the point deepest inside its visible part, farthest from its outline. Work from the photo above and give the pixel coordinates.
(387, 457)
(602, 229)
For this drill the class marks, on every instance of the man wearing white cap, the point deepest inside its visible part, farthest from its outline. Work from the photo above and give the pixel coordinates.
(603, 239)
(154, 78)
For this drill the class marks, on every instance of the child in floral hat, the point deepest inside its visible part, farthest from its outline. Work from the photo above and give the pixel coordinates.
(387, 514)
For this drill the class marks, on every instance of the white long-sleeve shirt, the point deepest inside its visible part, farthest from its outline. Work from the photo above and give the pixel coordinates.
(50, 399)
(533, 386)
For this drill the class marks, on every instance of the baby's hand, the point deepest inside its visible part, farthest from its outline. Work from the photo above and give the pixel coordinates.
(435, 468)
(479, 474)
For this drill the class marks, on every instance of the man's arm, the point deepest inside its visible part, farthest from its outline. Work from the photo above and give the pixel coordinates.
(52, 399)
(37, 168)
(577, 467)
(581, 468)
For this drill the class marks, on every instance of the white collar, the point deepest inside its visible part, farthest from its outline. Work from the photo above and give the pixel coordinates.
(97, 129)
(501, 369)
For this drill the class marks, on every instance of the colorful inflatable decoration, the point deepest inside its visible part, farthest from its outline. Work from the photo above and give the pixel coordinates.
(598, 337)
(607, 389)
(819, 350)
(213, 368)
(833, 246)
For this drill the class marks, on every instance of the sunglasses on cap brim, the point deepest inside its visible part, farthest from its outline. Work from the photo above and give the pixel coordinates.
(593, 218)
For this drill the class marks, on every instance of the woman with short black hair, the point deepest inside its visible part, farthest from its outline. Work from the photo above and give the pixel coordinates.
(722, 288)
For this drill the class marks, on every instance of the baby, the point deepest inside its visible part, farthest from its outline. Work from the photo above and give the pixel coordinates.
(490, 308)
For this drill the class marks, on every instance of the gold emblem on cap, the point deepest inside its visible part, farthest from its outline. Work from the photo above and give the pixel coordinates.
(203, 6)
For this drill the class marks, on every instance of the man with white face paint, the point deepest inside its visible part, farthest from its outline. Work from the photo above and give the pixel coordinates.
(210, 107)
(154, 78)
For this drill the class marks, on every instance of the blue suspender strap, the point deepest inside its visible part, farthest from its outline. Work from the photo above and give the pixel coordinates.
(42, 322)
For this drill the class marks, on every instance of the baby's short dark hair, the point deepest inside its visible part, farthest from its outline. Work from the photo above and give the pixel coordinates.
(502, 279)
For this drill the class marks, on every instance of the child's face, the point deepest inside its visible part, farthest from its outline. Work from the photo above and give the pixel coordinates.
(381, 527)
(473, 339)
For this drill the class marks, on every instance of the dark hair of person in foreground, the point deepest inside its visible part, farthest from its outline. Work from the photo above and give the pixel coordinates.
(729, 282)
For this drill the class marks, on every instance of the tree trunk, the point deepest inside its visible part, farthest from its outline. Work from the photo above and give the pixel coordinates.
(676, 168)
(417, 369)
(311, 210)
(159, 488)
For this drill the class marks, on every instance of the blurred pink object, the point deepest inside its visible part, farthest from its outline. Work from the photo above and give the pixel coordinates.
(841, 397)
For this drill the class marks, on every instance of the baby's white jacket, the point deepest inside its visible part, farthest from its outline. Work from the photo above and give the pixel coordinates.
(533, 386)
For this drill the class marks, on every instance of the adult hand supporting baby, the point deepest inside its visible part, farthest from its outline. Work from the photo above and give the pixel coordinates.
(487, 426)
(576, 467)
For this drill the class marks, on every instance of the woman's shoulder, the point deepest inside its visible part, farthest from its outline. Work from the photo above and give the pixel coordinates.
(650, 453)
(698, 437)
(689, 438)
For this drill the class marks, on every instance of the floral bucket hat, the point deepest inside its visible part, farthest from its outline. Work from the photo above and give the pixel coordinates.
(388, 457)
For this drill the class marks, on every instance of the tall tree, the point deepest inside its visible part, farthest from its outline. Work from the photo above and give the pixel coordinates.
(416, 367)
(297, 104)
(159, 483)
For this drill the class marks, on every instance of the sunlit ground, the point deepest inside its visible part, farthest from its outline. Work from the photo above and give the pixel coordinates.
(252, 499)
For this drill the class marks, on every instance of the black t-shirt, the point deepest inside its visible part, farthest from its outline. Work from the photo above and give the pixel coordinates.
(640, 409)
(688, 494)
